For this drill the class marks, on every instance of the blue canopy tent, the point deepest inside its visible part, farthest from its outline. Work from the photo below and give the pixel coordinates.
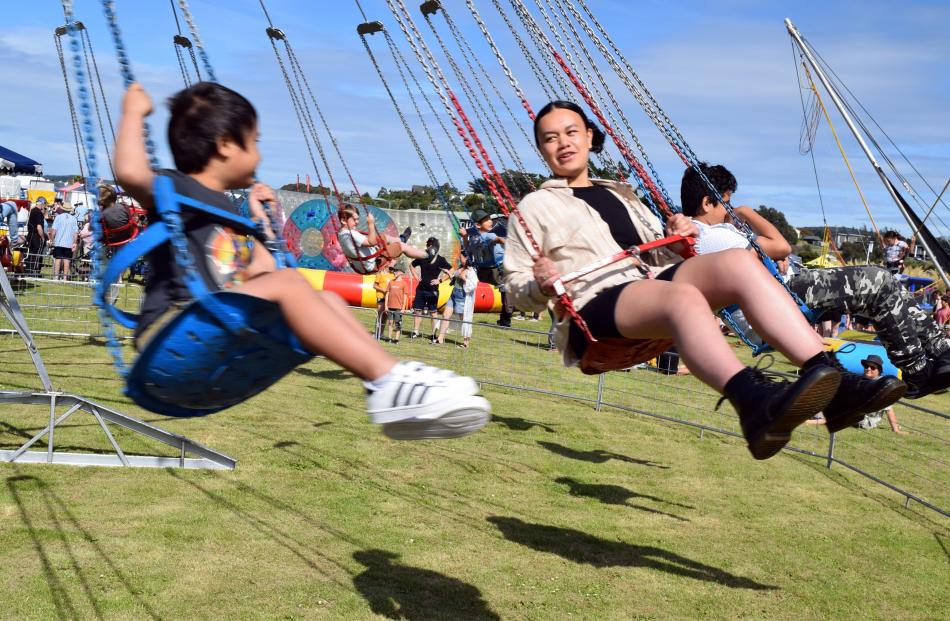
(13, 162)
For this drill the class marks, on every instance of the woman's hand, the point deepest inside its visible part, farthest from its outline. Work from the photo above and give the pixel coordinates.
(678, 224)
(545, 273)
(370, 218)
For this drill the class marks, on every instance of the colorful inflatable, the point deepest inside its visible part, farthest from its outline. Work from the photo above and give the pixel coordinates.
(358, 290)
(850, 353)
(311, 231)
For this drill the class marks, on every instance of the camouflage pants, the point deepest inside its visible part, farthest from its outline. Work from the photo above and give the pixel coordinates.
(908, 333)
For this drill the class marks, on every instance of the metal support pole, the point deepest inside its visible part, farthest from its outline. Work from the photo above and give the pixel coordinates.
(601, 379)
(793, 31)
(831, 450)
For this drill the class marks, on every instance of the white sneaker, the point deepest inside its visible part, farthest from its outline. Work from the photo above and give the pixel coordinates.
(423, 402)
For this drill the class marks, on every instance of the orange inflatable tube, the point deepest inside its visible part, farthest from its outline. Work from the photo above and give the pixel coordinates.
(357, 290)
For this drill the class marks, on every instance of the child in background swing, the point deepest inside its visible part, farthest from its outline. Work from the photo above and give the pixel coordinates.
(577, 220)
(213, 134)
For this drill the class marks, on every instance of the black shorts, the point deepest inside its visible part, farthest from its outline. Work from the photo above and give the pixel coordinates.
(599, 315)
(62, 253)
(426, 301)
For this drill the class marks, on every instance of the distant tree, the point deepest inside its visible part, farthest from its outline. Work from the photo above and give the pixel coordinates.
(806, 251)
(777, 218)
(302, 187)
(519, 183)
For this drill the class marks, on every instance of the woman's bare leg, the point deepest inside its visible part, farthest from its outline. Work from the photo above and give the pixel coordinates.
(446, 315)
(737, 277)
(322, 322)
(659, 309)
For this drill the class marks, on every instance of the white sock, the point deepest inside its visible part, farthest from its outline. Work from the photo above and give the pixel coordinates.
(377, 384)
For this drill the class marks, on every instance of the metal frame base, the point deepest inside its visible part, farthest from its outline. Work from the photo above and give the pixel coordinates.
(202, 456)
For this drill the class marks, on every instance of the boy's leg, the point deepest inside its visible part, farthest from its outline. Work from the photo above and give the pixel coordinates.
(410, 400)
(322, 322)
(872, 292)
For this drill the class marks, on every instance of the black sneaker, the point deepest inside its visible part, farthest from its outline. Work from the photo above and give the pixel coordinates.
(404, 237)
(769, 410)
(414, 335)
(858, 395)
(934, 377)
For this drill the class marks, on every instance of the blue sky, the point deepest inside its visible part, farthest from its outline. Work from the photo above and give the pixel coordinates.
(722, 70)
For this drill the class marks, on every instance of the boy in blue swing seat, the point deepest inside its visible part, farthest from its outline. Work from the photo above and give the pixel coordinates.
(213, 134)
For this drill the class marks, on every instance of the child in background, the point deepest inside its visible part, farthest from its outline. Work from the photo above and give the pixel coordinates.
(212, 133)
(396, 303)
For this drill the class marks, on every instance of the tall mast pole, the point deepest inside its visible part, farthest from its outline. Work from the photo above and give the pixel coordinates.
(898, 199)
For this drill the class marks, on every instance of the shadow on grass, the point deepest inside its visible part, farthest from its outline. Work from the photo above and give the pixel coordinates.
(597, 456)
(57, 553)
(581, 547)
(334, 374)
(398, 591)
(520, 424)
(617, 495)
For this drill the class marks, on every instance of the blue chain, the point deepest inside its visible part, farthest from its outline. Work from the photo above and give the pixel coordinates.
(85, 108)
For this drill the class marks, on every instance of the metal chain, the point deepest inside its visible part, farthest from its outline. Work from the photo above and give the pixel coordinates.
(196, 39)
(326, 126)
(415, 106)
(532, 25)
(498, 56)
(441, 92)
(86, 51)
(181, 65)
(307, 125)
(564, 86)
(77, 132)
(402, 62)
(112, 341)
(469, 53)
(616, 105)
(488, 125)
(676, 140)
(549, 89)
(412, 138)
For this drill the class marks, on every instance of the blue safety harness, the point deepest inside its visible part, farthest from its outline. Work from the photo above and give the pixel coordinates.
(223, 347)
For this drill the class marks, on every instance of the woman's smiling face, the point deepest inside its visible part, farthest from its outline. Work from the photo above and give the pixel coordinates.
(565, 142)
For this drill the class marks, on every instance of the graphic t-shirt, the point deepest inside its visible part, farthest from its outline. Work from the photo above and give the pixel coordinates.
(430, 269)
(398, 292)
(220, 254)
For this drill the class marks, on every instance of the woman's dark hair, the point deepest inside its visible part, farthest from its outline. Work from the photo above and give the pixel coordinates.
(693, 188)
(597, 143)
(201, 115)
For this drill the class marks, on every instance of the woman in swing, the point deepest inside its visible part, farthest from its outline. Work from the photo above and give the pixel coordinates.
(577, 220)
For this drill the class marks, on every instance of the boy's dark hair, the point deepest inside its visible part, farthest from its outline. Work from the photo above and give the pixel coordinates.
(201, 115)
(891, 234)
(597, 142)
(694, 189)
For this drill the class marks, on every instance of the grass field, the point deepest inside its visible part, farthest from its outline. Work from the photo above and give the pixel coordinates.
(554, 511)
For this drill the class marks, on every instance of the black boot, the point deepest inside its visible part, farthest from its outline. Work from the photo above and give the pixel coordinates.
(857, 395)
(404, 237)
(934, 377)
(769, 410)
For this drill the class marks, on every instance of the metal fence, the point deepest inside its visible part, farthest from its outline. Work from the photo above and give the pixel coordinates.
(520, 358)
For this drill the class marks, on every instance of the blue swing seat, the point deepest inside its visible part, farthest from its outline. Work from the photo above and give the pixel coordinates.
(222, 348)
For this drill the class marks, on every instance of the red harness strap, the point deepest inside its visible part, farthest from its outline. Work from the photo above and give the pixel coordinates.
(612, 354)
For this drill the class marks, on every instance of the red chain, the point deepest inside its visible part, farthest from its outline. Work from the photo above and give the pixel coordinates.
(561, 292)
(631, 159)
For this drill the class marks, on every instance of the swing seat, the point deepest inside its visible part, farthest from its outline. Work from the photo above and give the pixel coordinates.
(196, 366)
(614, 354)
(222, 348)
